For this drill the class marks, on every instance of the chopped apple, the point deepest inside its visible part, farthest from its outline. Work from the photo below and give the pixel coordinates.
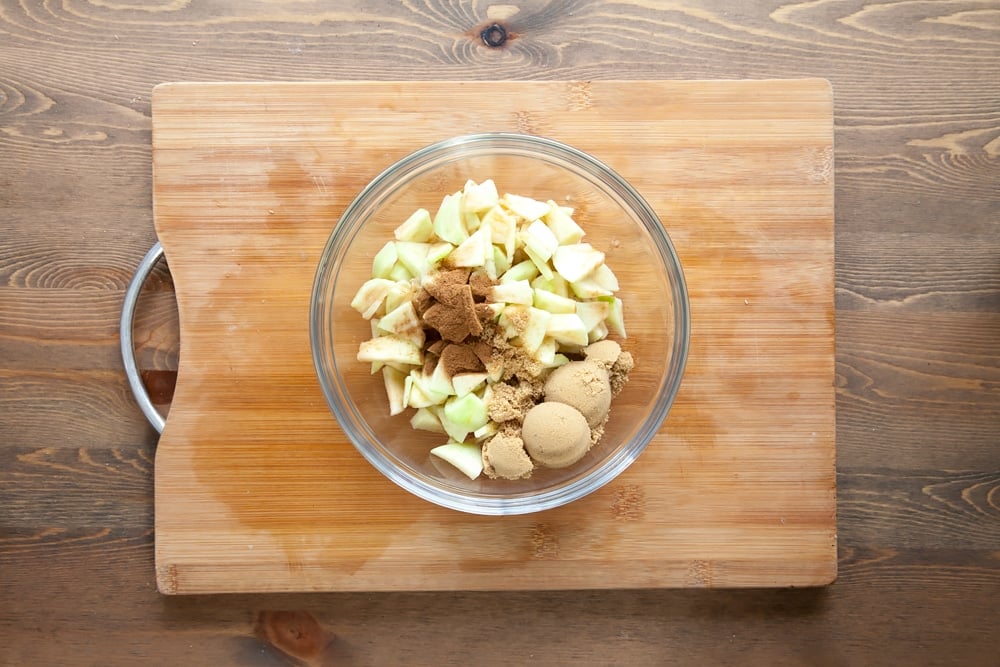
(474, 250)
(438, 251)
(567, 328)
(500, 262)
(384, 260)
(448, 221)
(370, 296)
(599, 332)
(560, 360)
(471, 221)
(573, 262)
(376, 365)
(525, 270)
(400, 272)
(541, 264)
(466, 383)
(390, 348)
(394, 384)
(424, 419)
(616, 317)
(417, 228)
(439, 382)
(540, 239)
(592, 313)
(478, 197)
(546, 352)
(563, 226)
(517, 291)
(413, 256)
(534, 332)
(552, 302)
(403, 322)
(605, 277)
(490, 428)
(526, 207)
(421, 397)
(467, 457)
(588, 288)
(468, 412)
(504, 230)
(400, 292)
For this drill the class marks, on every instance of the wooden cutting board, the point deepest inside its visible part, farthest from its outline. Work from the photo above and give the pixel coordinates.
(257, 489)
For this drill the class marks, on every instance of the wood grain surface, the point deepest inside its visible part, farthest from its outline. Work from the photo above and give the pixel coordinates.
(917, 150)
(257, 489)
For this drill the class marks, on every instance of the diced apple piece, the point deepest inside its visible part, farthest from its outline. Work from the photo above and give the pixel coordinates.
(500, 263)
(552, 302)
(561, 223)
(616, 317)
(573, 262)
(517, 291)
(413, 256)
(490, 428)
(468, 412)
(420, 397)
(526, 207)
(541, 264)
(425, 420)
(504, 230)
(478, 197)
(525, 270)
(592, 313)
(474, 250)
(471, 221)
(417, 228)
(534, 332)
(438, 251)
(390, 348)
(467, 457)
(605, 277)
(567, 328)
(588, 288)
(439, 382)
(400, 292)
(546, 352)
(540, 239)
(448, 221)
(370, 296)
(384, 260)
(560, 360)
(466, 383)
(599, 332)
(403, 322)
(399, 273)
(394, 388)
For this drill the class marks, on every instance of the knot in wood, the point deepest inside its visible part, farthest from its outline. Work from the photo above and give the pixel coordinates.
(494, 35)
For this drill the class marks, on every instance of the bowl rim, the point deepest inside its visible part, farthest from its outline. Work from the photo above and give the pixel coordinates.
(553, 152)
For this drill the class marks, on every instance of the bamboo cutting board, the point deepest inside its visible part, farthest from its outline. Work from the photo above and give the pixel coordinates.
(257, 489)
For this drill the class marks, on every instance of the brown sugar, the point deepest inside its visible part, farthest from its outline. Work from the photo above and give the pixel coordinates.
(511, 401)
(619, 372)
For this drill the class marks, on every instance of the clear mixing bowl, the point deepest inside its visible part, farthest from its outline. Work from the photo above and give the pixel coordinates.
(616, 220)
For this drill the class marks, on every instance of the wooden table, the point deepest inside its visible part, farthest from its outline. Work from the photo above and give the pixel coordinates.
(917, 88)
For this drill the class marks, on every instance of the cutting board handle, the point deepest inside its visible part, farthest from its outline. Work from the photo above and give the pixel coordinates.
(125, 334)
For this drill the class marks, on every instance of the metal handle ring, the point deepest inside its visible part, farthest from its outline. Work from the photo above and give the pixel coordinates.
(125, 333)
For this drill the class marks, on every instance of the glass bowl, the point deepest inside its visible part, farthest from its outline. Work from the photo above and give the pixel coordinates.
(616, 220)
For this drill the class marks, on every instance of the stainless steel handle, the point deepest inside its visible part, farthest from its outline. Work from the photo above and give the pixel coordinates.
(125, 332)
